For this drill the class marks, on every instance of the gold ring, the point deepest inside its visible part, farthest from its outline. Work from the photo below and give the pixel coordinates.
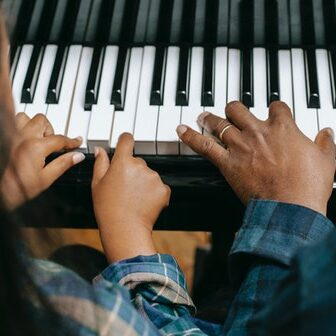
(223, 131)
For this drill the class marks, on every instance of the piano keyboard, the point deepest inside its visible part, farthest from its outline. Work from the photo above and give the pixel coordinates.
(100, 68)
(153, 121)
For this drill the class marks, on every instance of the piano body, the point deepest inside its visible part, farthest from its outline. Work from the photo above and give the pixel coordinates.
(97, 68)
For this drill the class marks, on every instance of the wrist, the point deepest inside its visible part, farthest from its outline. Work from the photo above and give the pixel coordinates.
(126, 240)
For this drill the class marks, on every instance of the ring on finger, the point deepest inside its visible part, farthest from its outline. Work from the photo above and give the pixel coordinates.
(223, 131)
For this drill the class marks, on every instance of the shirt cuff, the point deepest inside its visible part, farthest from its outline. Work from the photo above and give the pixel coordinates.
(274, 230)
(158, 273)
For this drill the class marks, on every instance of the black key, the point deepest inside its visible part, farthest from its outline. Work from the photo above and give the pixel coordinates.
(313, 96)
(54, 88)
(129, 21)
(92, 88)
(188, 21)
(273, 88)
(156, 97)
(332, 59)
(211, 22)
(307, 22)
(120, 80)
(30, 82)
(246, 23)
(329, 12)
(182, 92)
(208, 87)
(271, 23)
(246, 84)
(165, 21)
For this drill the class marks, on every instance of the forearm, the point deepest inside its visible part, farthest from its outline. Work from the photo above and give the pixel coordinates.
(262, 251)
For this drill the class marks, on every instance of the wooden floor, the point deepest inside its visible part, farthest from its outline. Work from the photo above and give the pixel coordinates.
(181, 245)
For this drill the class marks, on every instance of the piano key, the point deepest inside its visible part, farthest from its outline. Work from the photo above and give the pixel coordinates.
(61, 15)
(169, 113)
(129, 21)
(164, 25)
(94, 21)
(318, 19)
(259, 23)
(182, 92)
(190, 113)
(120, 79)
(77, 32)
(117, 19)
(307, 22)
(211, 22)
(100, 125)
(208, 77)
(233, 75)
(35, 27)
(305, 117)
(260, 109)
(188, 19)
(93, 84)
(332, 62)
(313, 99)
(283, 22)
(29, 84)
(147, 114)
(57, 73)
(141, 21)
(327, 112)
(285, 81)
(176, 23)
(79, 118)
(296, 24)
(223, 22)
(39, 102)
(273, 92)
(329, 13)
(123, 121)
(246, 95)
(154, 22)
(200, 23)
(19, 76)
(271, 22)
(14, 62)
(156, 95)
(58, 114)
(220, 80)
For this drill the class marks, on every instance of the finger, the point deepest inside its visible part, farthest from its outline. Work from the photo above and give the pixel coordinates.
(141, 161)
(57, 143)
(325, 141)
(240, 116)
(21, 120)
(39, 126)
(125, 146)
(52, 171)
(215, 126)
(203, 145)
(279, 111)
(101, 165)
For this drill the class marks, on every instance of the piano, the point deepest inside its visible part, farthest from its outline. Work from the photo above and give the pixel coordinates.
(97, 68)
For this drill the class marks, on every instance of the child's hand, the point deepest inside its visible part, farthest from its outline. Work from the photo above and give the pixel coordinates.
(27, 175)
(128, 198)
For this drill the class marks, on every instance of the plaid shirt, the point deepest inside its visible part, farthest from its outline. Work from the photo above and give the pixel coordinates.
(147, 295)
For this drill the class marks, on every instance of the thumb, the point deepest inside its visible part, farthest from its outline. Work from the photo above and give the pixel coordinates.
(101, 165)
(325, 141)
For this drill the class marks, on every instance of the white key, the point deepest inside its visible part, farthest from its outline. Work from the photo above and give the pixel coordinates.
(146, 115)
(306, 118)
(221, 54)
(39, 104)
(327, 113)
(79, 118)
(20, 75)
(190, 113)
(233, 75)
(15, 63)
(169, 114)
(123, 121)
(260, 109)
(58, 114)
(100, 126)
(285, 74)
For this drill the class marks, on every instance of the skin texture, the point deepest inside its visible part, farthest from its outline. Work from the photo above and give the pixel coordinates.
(128, 198)
(269, 159)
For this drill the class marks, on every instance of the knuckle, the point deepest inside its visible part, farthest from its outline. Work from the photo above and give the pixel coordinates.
(207, 146)
(231, 105)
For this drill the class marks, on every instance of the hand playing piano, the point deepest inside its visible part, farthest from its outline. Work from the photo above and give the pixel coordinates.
(27, 175)
(128, 197)
(269, 159)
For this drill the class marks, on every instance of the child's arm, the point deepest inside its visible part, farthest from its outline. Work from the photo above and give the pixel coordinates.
(128, 198)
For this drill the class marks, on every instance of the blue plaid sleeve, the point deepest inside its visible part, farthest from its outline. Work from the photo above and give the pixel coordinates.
(264, 246)
(158, 291)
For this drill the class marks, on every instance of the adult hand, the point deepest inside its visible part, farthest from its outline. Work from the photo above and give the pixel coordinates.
(269, 159)
(128, 198)
(27, 174)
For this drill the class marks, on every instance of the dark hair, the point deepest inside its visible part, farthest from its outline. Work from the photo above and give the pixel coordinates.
(18, 316)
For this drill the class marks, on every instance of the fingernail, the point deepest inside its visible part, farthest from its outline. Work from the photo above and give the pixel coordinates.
(201, 117)
(78, 157)
(332, 133)
(96, 151)
(181, 129)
